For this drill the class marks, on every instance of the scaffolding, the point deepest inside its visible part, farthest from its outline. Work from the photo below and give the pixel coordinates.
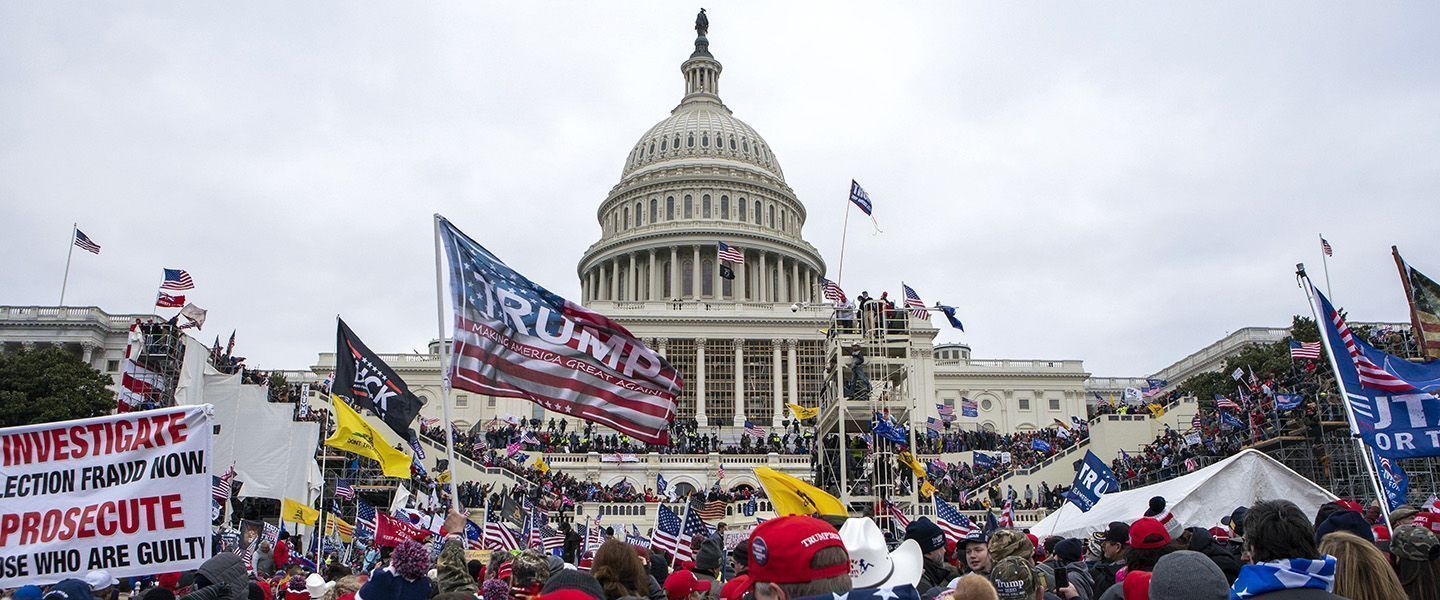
(859, 468)
(158, 347)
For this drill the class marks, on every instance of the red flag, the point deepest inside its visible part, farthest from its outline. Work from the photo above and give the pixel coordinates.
(390, 531)
(165, 300)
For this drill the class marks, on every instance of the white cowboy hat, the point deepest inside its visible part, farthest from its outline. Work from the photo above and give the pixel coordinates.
(317, 586)
(872, 564)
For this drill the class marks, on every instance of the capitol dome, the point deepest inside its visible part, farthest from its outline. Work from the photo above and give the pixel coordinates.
(698, 179)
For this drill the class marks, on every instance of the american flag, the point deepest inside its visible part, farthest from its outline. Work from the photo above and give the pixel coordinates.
(1325, 247)
(534, 524)
(969, 408)
(695, 528)
(913, 302)
(177, 279)
(620, 382)
(667, 535)
(343, 490)
(713, 510)
(859, 198)
(364, 514)
(897, 514)
(551, 539)
(1007, 515)
(753, 429)
(499, 536)
(474, 537)
(957, 526)
(934, 424)
(221, 486)
(945, 409)
(832, 291)
(164, 300)
(84, 242)
(1306, 350)
(1371, 374)
(725, 251)
(1196, 421)
(1224, 403)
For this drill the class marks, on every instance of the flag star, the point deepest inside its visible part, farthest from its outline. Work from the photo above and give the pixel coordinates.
(885, 594)
(839, 596)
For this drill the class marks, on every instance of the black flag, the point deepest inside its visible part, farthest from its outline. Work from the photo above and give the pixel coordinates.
(726, 272)
(371, 384)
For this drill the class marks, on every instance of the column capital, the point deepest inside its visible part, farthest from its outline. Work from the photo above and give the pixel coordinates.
(791, 342)
(700, 342)
(739, 342)
(662, 341)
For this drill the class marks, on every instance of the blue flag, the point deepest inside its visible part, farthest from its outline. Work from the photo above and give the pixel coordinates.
(1093, 480)
(660, 483)
(1393, 480)
(983, 460)
(899, 592)
(750, 507)
(1288, 401)
(883, 428)
(1039, 445)
(859, 198)
(950, 316)
(1229, 421)
(1394, 400)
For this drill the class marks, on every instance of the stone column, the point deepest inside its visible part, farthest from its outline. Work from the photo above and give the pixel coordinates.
(654, 278)
(763, 285)
(739, 381)
(700, 382)
(662, 345)
(614, 282)
(716, 279)
(632, 281)
(600, 281)
(775, 387)
(742, 291)
(695, 273)
(794, 369)
(87, 352)
(675, 274)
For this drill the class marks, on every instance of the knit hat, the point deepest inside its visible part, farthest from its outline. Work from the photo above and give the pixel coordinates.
(1188, 575)
(572, 581)
(1005, 543)
(708, 557)
(781, 550)
(1221, 535)
(1345, 520)
(1160, 512)
(409, 559)
(1414, 543)
(1070, 550)
(1014, 579)
(926, 533)
(1382, 537)
(495, 589)
(295, 589)
(1147, 533)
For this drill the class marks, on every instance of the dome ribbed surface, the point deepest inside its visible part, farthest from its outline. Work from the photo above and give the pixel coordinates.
(700, 132)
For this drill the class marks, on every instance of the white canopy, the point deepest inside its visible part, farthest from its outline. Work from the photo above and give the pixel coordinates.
(1197, 499)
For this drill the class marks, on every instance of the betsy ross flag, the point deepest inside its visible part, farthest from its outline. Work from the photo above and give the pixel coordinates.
(832, 291)
(343, 490)
(957, 526)
(1307, 350)
(85, 243)
(753, 429)
(516, 339)
(177, 279)
(164, 300)
(725, 251)
(912, 302)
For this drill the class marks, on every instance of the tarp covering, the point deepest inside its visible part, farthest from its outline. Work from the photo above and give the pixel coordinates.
(1197, 499)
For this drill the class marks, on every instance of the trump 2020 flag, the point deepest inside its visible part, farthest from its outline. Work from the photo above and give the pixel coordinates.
(516, 339)
(1393, 480)
(1094, 479)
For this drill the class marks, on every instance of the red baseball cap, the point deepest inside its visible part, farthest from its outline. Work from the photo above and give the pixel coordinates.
(680, 583)
(781, 550)
(1148, 532)
(735, 588)
(1220, 534)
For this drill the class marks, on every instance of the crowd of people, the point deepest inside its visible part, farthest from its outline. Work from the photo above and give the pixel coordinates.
(686, 437)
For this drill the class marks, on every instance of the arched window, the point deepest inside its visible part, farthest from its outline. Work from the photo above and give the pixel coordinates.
(705, 206)
(652, 146)
(757, 212)
(725, 207)
(732, 144)
(626, 221)
(707, 277)
(654, 210)
(689, 207)
(742, 210)
(677, 141)
(782, 220)
(639, 214)
(690, 141)
(745, 145)
(669, 208)
(663, 144)
(704, 140)
(667, 289)
(687, 281)
(772, 216)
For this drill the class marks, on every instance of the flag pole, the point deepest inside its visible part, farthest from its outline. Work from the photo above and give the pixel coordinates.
(1325, 262)
(840, 270)
(445, 369)
(1345, 400)
(1418, 334)
(64, 281)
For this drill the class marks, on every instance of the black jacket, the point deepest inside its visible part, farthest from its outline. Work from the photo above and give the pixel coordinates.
(936, 573)
(1201, 541)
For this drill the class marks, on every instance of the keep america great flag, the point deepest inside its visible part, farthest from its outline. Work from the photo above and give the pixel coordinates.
(516, 339)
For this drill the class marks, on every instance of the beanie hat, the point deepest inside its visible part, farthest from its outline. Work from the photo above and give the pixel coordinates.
(1148, 533)
(1345, 520)
(295, 589)
(1006, 543)
(1069, 550)
(409, 559)
(570, 579)
(708, 558)
(1220, 534)
(1158, 510)
(1188, 575)
(926, 533)
(1014, 579)
(495, 589)
(1414, 543)
(1039, 551)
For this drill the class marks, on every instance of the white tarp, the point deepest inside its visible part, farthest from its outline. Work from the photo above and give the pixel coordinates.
(129, 493)
(272, 453)
(1198, 499)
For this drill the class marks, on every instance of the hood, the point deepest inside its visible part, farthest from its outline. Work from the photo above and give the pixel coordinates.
(1200, 539)
(229, 568)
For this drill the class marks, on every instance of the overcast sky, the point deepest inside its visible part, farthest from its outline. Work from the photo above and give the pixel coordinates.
(1121, 183)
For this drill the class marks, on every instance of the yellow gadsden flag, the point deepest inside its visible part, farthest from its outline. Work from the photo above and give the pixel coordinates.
(907, 459)
(926, 488)
(790, 496)
(295, 512)
(353, 434)
(541, 465)
(803, 413)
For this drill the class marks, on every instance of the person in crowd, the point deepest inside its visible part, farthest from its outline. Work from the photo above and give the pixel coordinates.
(1006, 543)
(977, 554)
(403, 579)
(1285, 563)
(1149, 542)
(1201, 540)
(707, 561)
(974, 587)
(619, 571)
(69, 589)
(1069, 555)
(570, 584)
(1416, 554)
(1188, 575)
(1361, 571)
(1015, 578)
(344, 588)
(931, 538)
(737, 586)
(795, 556)
(1114, 544)
(683, 585)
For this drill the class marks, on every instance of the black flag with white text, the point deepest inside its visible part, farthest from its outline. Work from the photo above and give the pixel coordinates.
(371, 384)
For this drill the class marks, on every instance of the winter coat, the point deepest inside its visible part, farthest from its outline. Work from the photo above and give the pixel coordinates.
(936, 573)
(1201, 541)
(1300, 594)
(229, 569)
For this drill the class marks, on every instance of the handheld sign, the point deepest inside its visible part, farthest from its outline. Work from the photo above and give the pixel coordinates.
(129, 493)
(1093, 480)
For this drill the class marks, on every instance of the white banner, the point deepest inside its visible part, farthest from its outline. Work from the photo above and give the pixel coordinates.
(128, 493)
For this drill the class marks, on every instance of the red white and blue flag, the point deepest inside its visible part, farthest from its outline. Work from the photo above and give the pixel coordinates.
(516, 339)
(957, 526)
(968, 408)
(1223, 403)
(1305, 350)
(164, 300)
(913, 302)
(177, 279)
(897, 514)
(85, 243)
(725, 251)
(753, 429)
(344, 490)
(832, 291)
(667, 535)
